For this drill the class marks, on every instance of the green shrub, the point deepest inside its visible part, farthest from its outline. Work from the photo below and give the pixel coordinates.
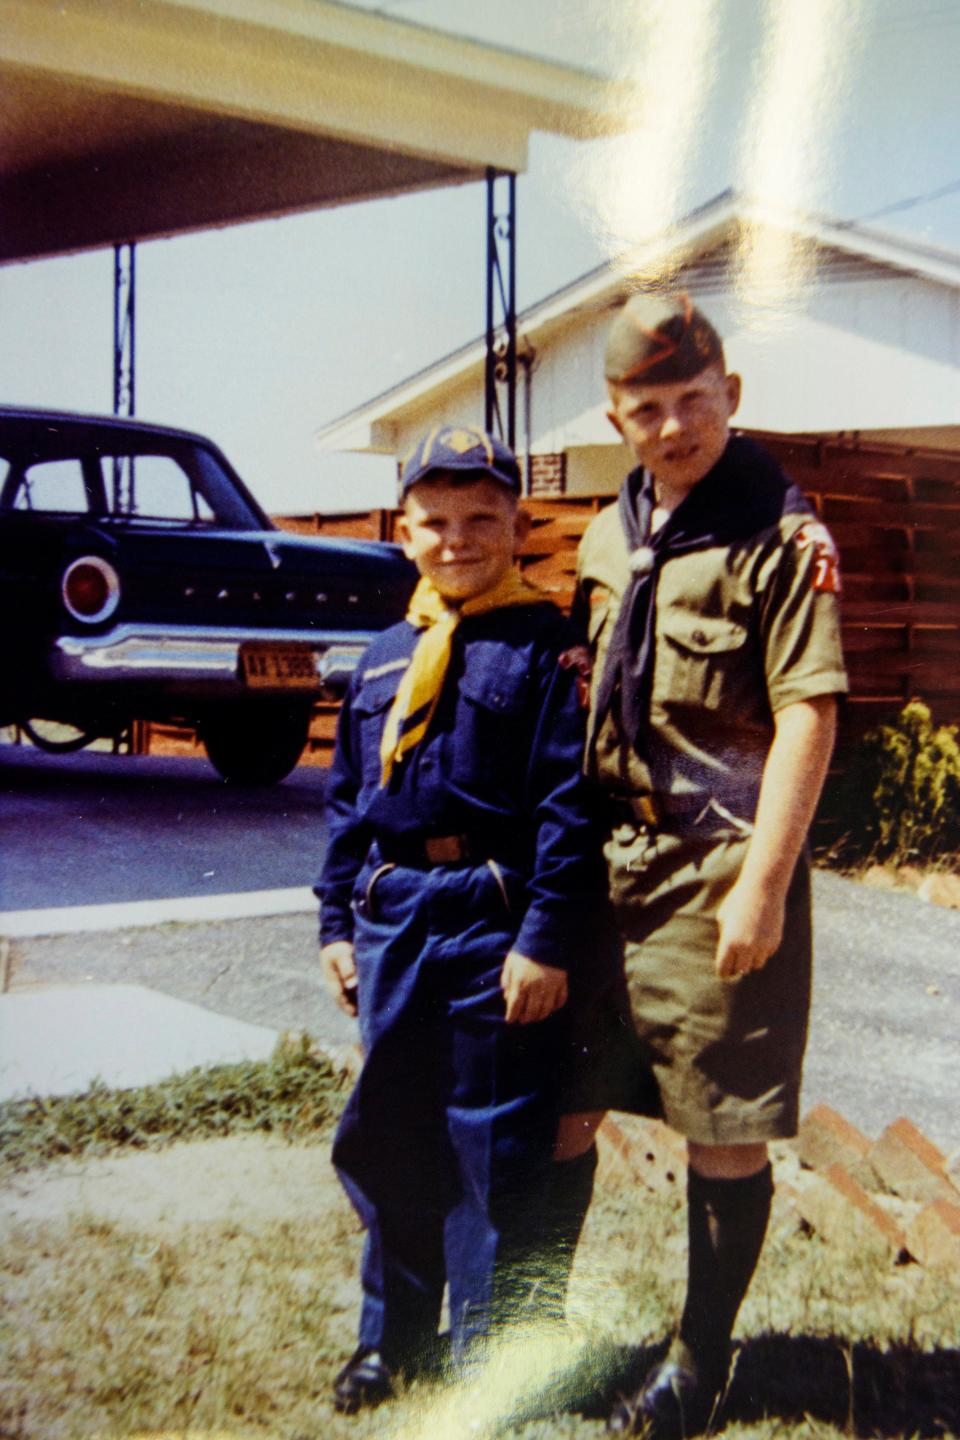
(900, 798)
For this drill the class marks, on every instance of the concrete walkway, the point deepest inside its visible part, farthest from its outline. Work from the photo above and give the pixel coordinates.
(60, 1039)
(73, 919)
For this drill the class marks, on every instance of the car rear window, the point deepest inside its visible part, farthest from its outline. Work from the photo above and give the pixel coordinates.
(154, 487)
(52, 485)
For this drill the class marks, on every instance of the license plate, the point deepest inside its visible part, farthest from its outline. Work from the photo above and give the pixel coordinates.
(279, 667)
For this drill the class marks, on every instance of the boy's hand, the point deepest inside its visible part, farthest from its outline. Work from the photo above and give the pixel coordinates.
(751, 928)
(340, 974)
(532, 991)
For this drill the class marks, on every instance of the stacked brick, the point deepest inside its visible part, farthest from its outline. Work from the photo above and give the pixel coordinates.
(548, 475)
(896, 1194)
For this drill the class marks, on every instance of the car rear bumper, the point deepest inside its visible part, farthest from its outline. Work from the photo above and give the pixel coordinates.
(185, 658)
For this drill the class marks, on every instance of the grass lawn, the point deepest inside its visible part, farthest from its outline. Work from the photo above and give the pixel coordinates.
(208, 1287)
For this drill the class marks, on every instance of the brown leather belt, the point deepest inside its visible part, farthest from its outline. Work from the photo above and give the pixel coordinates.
(425, 852)
(653, 811)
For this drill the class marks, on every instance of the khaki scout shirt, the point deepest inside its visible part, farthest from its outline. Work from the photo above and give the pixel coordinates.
(741, 631)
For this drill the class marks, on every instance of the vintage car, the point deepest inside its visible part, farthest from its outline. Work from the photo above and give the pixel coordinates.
(140, 580)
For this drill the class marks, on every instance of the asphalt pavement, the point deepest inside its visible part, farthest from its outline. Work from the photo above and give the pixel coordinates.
(93, 828)
(192, 894)
(885, 1032)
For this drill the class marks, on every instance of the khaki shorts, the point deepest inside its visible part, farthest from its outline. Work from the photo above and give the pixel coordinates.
(605, 1067)
(727, 1055)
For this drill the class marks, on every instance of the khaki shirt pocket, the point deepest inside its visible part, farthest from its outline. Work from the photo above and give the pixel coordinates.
(702, 661)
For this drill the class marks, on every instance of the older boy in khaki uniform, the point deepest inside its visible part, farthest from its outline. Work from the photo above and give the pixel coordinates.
(710, 593)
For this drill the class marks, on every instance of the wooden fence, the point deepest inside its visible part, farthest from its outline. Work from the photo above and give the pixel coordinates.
(895, 515)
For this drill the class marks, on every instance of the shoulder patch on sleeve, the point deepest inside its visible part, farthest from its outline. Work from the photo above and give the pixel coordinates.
(578, 658)
(826, 569)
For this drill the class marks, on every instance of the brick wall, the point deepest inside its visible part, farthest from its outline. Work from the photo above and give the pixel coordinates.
(548, 475)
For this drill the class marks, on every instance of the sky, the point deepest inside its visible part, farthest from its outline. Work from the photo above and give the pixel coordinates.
(260, 333)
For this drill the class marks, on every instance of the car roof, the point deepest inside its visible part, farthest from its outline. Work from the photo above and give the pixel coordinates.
(82, 420)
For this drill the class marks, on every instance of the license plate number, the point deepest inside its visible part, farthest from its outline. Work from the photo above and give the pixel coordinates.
(279, 667)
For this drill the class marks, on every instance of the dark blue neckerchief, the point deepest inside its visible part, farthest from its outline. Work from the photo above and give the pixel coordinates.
(745, 493)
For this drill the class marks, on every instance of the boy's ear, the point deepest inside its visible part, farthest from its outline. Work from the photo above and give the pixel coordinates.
(614, 417)
(734, 386)
(522, 522)
(402, 533)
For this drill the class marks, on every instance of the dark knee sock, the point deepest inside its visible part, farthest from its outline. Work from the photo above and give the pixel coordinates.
(569, 1192)
(726, 1225)
(539, 1241)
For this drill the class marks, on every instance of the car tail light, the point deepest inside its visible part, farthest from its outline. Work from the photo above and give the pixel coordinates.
(90, 589)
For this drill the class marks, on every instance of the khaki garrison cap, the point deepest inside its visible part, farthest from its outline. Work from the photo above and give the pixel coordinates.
(658, 339)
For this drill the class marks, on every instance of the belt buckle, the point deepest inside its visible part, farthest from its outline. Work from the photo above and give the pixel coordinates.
(646, 806)
(446, 849)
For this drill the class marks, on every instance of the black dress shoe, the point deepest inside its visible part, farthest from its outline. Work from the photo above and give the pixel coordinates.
(365, 1380)
(676, 1400)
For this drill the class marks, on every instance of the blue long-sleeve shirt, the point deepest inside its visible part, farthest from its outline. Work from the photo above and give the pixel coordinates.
(502, 764)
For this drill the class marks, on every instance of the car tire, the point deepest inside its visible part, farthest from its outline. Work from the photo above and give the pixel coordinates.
(255, 744)
(62, 739)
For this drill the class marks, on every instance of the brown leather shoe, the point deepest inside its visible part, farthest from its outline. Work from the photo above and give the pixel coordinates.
(365, 1380)
(675, 1401)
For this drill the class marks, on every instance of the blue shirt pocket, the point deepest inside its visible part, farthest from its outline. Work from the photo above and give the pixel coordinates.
(491, 739)
(369, 709)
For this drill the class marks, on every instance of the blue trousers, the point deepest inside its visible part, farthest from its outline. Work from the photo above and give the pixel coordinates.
(445, 1144)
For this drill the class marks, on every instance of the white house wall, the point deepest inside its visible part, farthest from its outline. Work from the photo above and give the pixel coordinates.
(863, 353)
(869, 344)
(596, 469)
(460, 403)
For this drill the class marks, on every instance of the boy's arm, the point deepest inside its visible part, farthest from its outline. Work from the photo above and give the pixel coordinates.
(340, 973)
(751, 916)
(346, 847)
(803, 664)
(347, 840)
(567, 881)
(532, 991)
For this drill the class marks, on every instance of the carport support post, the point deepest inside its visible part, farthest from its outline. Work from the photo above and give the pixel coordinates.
(124, 403)
(501, 359)
(124, 329)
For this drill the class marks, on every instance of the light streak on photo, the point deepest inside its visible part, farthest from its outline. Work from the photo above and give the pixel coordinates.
(789, 140)
(632, 187)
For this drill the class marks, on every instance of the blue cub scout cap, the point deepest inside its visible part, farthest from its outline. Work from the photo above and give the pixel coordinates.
(457, 447)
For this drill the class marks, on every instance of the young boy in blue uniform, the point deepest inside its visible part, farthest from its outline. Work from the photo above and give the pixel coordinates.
(462, 881)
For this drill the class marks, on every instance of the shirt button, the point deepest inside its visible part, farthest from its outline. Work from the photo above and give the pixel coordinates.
(699, 638)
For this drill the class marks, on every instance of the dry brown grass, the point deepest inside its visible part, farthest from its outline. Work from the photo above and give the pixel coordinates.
(124, 1318)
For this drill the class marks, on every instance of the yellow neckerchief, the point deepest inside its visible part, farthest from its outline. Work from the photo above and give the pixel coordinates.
(419, 691)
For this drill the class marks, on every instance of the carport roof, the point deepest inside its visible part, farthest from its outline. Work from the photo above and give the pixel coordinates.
(123, 121)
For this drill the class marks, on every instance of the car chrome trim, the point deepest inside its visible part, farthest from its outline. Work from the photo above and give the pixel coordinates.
(145, 654)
